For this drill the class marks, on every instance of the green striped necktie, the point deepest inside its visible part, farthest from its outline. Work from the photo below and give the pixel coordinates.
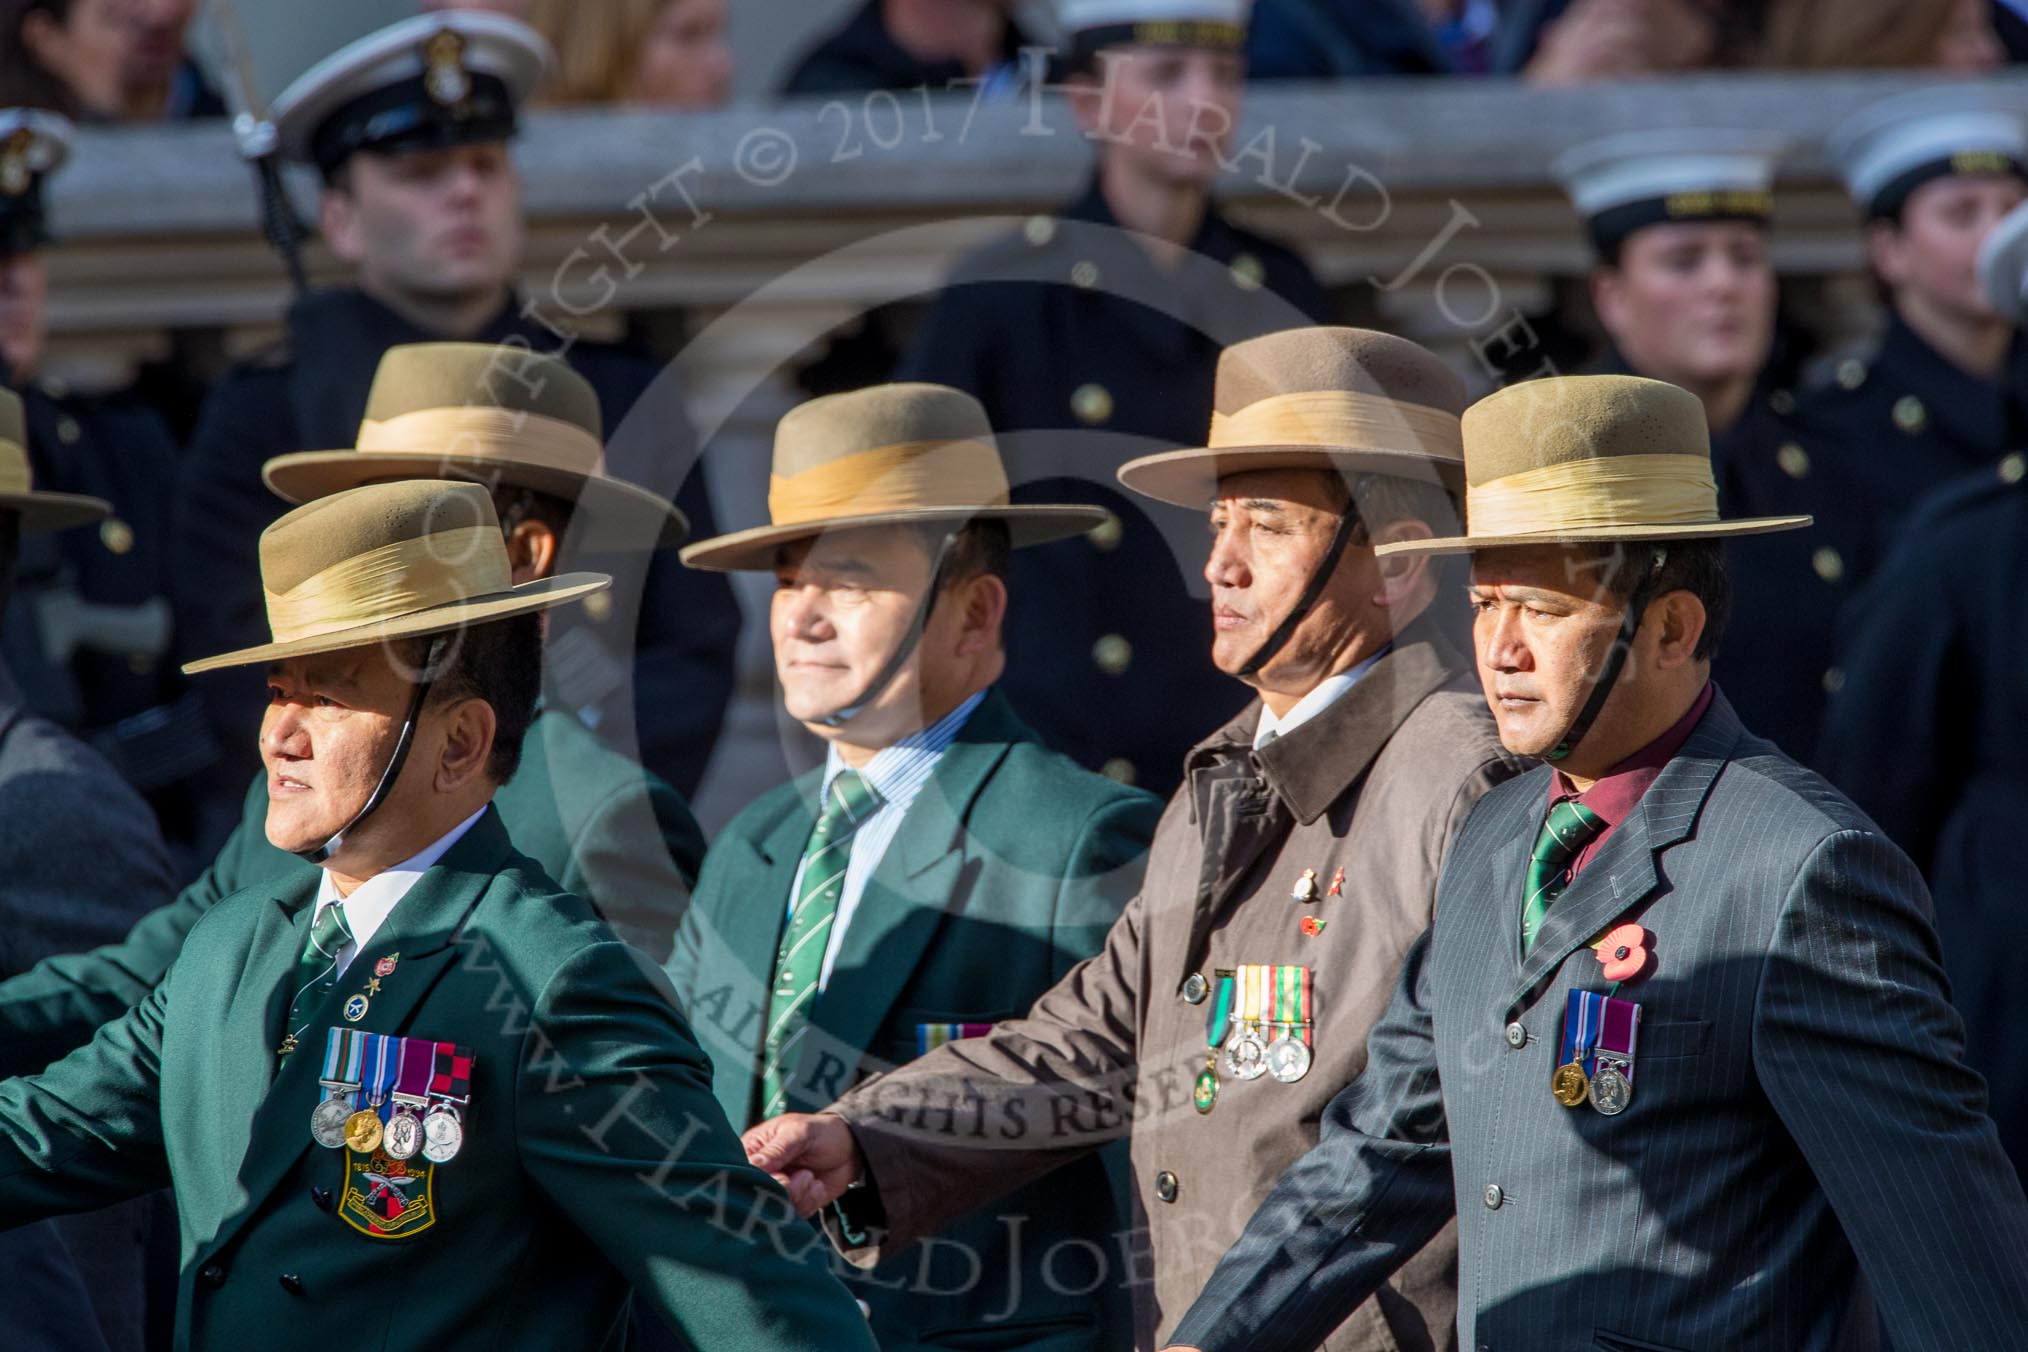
(1569, 827)
(799, 960)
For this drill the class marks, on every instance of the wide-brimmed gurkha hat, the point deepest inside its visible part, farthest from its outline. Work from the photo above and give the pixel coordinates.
(1352, 400)
(2003, 265)
(38, 512)
(1588, 460)
(1887, 151)
(499, 416)
(437, 80)
(890, 455)
(1674, 175)
(33, 145)
(386, 562)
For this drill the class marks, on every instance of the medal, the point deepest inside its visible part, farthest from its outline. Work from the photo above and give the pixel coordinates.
(364, 1129)
(1610, 1089)
(1612, 1084)
(450, 1088)
(1246, 1055)
(1246, 1049)
(343, 1052)
(1288, 1056)
(1204, 1095)
(1569, 1084)
(411, 1096)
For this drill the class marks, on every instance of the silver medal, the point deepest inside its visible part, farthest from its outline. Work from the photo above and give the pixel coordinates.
(443, 1134)
(1611, 1091)
(1246, 1055)
(404, 1136)
(327, 1122)
(1288, 1058)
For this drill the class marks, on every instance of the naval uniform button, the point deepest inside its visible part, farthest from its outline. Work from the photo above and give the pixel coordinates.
(1084, 274)
(292, 1284)
(116, 535)
(1195, 989)
(1165, 1186)
(1113, 654)
(1517, 1036)
(1910, 416)
(1834, 680)
(1851, 373)
(1247, 272)
(2013, 468)
(322, 1198)
(67, 430)
(1039, 230)
(599, 606)
(1092, 403)
(1495, 1198)
(1783, 402)
(212, 1275)
(1105, 536)
(1794, 460)
(1120, 770)
(1829, 563)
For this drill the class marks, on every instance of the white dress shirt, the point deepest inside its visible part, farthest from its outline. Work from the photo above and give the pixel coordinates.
(1322, 697)
(897, 773)
(367, 909)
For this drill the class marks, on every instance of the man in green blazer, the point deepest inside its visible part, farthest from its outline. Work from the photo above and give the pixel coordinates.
(530, 1130)
(603, 827)
(938, 873)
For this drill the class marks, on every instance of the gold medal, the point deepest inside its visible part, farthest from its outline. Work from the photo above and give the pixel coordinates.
(1570, 1085)
(362, 1131)
(1204, 1097)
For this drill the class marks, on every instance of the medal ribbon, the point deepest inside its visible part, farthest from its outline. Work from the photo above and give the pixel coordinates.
(386, 1065)
(1303, 1010)
(1219, 1020)
(1619, 1028)
(1581, 1028)
(418, 1063)
(930, 1036)
(451, 1079)
(1263, 995)
(334, 1056)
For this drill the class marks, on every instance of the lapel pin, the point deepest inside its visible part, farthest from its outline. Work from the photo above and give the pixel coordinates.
(1337, 888)
(1312, 927)
(385, 967)
(1623, 953)
(1306, 886)
(355, 1008)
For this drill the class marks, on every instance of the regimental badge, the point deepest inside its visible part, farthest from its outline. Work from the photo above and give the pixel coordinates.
(16, 177)
(1306, 886)
(355, 1008)
(445, 76)
(388, 1198)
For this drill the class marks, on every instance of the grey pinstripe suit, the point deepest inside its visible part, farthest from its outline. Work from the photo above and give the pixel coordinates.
(1800, 1100)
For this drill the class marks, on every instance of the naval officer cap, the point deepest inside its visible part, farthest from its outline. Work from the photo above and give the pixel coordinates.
(1887, 151)
(33, 145)
(427, 83)
(1094, 25)
(1628, 182)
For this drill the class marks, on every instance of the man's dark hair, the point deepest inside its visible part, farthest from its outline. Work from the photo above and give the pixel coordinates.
(516, 504)
(982, 549)
(1384, 499)
(24, 81)
(499, 662)
(1694, 566)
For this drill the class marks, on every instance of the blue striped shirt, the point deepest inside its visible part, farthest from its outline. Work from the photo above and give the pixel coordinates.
(897, 773)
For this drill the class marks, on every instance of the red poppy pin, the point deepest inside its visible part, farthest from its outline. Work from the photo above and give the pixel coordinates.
(1623, 952)
(1312, 927)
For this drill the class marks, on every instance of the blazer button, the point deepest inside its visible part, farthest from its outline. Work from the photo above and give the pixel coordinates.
(322, 1197)
(1165, 1186)
(212, 1275)
(1195, 989)
(1494, 1197)
(292, 1284)
(1517, 1036)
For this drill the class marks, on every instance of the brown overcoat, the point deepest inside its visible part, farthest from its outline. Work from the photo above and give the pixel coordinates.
(1375, 785)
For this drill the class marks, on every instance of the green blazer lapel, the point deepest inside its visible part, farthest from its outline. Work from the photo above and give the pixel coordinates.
(916, 882)
(421, 929)
(252, 1013)
(1627, 870)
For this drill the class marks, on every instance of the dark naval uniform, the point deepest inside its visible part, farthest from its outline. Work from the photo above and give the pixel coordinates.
(1930, 736)
(1911, 422)
(681, 657)
(1087, 354)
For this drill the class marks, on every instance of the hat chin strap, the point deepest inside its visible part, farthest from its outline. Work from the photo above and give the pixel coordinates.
(1313, 591)
(838, 718)
(1616, 659)
(321, 854)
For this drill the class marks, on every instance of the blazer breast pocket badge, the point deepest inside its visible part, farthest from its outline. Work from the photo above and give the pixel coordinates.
(1596, 1063)
(395, 1106)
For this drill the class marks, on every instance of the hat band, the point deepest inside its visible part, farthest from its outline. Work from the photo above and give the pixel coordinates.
(15, 476)
(461, 434)
(392, 581)
(1580, 495)
(909, 476)
(1343, 419)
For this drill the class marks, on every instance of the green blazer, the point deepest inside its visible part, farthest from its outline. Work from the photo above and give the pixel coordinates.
(588, 815)
(594, 1159)
(1008, 870)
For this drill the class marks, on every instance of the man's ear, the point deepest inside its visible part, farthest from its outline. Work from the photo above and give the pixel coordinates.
(983, 616)
(1678, 618)
(1883, 250)
(1401, 575)
(470, 726)
(338, 223)
(531, 550)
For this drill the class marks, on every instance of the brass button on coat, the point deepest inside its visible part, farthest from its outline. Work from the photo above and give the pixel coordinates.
(1113, 654)
(1195, 989)
(1092, 403)
(1165, 1186)
(1794, 460)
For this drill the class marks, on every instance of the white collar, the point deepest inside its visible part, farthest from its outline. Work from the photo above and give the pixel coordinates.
(367, 909)
(1321, 697)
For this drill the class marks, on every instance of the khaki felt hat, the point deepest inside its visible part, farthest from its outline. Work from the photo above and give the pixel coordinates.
(496, 415)
(39, 512)
(889, 455)
(390, 561)
(1588, 459)
(1352, 400)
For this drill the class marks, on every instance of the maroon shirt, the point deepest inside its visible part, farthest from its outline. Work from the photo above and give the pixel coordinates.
(1616, 793)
